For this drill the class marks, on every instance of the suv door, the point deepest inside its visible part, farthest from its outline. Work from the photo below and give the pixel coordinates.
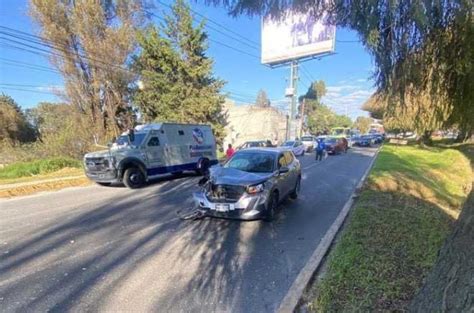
(290, 160)
(284, 179)
(154, 152)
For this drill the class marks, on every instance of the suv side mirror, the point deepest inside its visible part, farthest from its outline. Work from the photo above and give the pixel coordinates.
(283, 170)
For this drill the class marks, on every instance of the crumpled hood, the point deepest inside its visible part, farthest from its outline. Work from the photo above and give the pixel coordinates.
(98, 154)
(231, 176)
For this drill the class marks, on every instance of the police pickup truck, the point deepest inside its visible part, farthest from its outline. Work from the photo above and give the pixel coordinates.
(151, 150)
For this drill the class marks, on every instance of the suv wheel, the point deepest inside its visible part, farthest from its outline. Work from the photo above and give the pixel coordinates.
(294, 194)
(271, 207)
(133, 178)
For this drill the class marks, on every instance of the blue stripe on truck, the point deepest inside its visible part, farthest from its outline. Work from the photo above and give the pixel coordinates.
(175, 168)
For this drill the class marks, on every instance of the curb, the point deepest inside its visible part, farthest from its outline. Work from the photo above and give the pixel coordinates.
(292, 298)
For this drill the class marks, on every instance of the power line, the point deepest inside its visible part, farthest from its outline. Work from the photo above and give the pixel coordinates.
(212, 40)
(29, 90)
(220, 25)
(20, 65)
(17, 34)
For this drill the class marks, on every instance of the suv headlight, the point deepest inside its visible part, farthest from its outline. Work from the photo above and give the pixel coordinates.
(255, 189)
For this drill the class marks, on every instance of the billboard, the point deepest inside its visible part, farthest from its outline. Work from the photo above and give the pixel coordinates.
(295, 36)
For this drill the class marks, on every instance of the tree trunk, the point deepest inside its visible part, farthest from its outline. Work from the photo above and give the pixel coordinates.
(450, 285)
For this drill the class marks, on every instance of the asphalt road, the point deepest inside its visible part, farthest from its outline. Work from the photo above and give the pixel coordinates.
(114, 249)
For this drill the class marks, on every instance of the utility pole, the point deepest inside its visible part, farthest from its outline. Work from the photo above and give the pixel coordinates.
(293, 93)
(302, 117)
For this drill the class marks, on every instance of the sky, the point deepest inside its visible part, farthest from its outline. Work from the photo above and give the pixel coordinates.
(347, 73)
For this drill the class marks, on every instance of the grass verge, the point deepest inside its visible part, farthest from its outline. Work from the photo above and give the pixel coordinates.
(38, 167)
(396, 228)
(29, 189)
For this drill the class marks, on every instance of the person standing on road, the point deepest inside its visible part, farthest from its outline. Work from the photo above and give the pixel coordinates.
(229, 152)
(320, 150)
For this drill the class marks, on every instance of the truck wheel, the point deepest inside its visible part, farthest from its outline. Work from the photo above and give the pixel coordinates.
(133, 178)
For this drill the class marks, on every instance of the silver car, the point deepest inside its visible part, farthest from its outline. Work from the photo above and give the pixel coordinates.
(250, 185)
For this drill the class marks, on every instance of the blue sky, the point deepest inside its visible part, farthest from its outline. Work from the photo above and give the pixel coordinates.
(347, 73)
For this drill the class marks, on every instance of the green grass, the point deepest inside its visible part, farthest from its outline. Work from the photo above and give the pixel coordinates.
(39, 167)
(396, 228)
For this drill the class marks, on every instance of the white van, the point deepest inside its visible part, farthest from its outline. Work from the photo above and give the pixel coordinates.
(151, 150)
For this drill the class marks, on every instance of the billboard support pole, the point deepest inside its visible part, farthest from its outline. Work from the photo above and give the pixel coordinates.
(294, 87)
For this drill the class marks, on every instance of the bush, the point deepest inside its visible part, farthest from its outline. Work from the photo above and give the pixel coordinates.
(23, 169)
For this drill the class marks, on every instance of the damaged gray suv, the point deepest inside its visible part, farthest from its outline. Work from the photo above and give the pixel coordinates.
(250, 185)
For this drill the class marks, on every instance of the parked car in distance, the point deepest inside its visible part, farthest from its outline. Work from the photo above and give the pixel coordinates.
(296, 146)
(251, 184)
(335, 145)
(365, 141)
(255, 144)
(309, 142)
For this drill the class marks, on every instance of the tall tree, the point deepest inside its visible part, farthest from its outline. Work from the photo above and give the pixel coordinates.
(362, 123)
(262, 100)
(91, 42)
(14, 127)
(313, 96)
(177, 82)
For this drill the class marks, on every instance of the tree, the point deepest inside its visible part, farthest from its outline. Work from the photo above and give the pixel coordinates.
(14, 128)
(374, 105)
(313, 96)
(63, 130)
(262, 99)
(91, 42)
(362, 123)
(177, 80)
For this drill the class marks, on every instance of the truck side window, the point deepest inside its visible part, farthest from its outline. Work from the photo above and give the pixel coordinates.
(153, 142)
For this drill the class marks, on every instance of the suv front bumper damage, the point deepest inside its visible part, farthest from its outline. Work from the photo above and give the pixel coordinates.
(105, 176)
(248, 207)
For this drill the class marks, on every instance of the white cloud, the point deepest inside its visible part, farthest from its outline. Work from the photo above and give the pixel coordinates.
(347, 99)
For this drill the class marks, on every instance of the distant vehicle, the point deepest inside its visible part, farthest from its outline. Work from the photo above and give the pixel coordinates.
(335, 145)
(365, 141)
(255, 144)
(151, 150)
(309, 143)
(251, 184)
(296, 146)
(339, 132)
(378, 138)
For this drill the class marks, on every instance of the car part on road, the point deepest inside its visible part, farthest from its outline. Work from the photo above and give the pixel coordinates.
(193, 214)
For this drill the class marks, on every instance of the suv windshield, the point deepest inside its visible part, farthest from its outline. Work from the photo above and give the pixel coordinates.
(330, 140)
(288, 144)
(259, 162)
(123, 140)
